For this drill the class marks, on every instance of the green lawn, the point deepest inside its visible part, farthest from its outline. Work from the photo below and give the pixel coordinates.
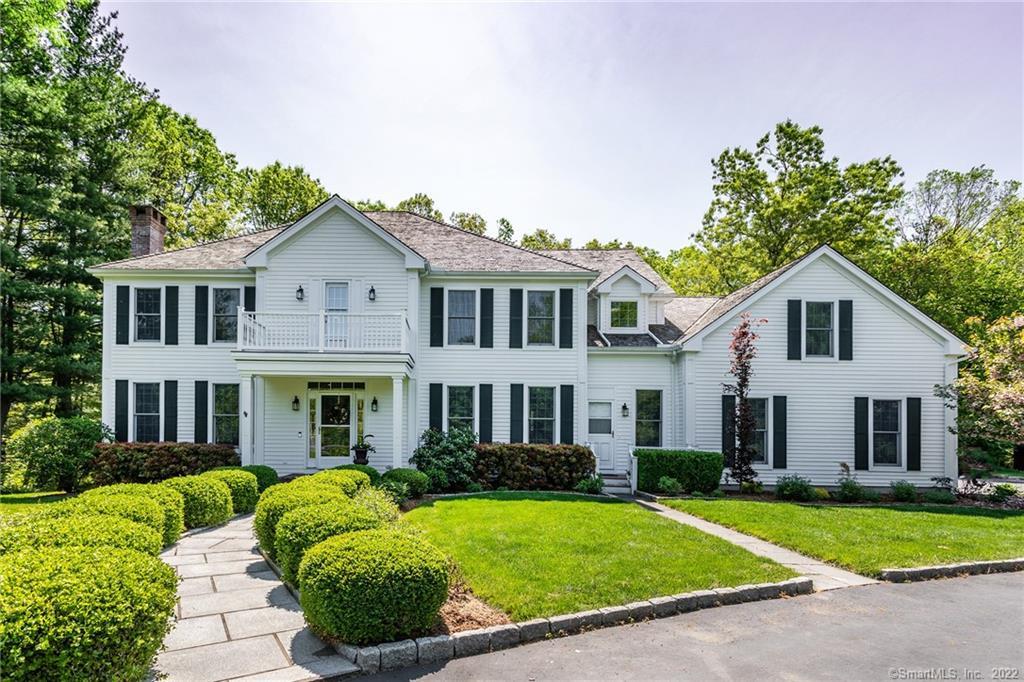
(542, 554)
(20, 502)
(867, 539)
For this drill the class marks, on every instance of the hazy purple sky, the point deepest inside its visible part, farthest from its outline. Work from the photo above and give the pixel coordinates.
(592, 120)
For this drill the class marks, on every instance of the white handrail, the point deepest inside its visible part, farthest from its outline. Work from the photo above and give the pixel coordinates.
(323, 332)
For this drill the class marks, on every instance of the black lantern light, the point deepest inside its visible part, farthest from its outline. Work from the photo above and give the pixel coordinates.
(295, 404)
(373, 404)
(625, 410)
(372, 294)
(300, 294)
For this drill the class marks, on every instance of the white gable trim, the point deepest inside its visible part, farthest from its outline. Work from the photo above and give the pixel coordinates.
(258, 257)
(646, 285)
(953, 345)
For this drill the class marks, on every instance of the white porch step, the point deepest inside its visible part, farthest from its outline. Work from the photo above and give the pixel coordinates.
(615, 484)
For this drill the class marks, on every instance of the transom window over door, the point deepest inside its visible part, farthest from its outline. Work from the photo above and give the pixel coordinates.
(759, 406)
(147, 412)
(623, 313)
(225, 414)
(540, 322)
(541, 414)
(147, 314)
(648, 418)
(461, 318)
(885, 419)
(225, 314)
(819, 329)
(460, 407)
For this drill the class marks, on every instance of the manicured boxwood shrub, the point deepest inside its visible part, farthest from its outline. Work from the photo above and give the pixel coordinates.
(373, 586)
(147, 462)
(695, 470)
(207, 500)
(171, 502)
(133, 508)
(265, 476)
(243, 485)
(795, 488)
(281, 499)
(304, 527)
(446, 458)
(365, 468)
(78, 530)
(349, 482)
(529, 466)
(95, 613)
(379, 502)
(416, 480)
(54, 453)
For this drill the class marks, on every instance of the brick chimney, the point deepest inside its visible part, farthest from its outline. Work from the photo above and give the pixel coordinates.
(148, 229)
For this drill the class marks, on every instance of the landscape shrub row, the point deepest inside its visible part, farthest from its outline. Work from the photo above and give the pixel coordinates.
(148, 462)
(691, 470)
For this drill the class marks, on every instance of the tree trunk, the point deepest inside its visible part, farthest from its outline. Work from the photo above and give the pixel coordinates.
(1018, 456)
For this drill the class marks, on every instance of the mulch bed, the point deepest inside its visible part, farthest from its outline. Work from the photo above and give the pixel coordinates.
(465, 611)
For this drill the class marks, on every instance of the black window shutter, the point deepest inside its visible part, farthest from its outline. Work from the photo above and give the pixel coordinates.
(565, 318)
(202, 314)
(436, 398)
(515, 321)
(436, 317)
(202, 391)
(249, 303)
(913, 434)
(171, 323)
(729, 428)
(793, 310)
(486, 413)
(566, 410)
(779, 432)
(860, 433)
(846, 330)
(487, 318)
(123, 304)
(171, 410)
(516, 413)
(121, 410)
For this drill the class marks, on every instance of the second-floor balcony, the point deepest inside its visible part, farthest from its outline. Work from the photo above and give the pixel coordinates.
(325, 332)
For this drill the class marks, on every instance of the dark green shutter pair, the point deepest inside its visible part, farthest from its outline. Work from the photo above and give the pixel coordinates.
(778, 435)
(437, 317)
(565, 417)
(515, 318)
(485, 418)
(121, 410)
(794, 339)
(861, 455)
(122, 315)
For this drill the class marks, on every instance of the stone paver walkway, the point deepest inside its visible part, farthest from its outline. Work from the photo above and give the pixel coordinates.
(824, 576)
(235, 620)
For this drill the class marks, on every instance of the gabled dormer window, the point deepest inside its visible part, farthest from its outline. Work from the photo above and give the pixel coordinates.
(624, 314)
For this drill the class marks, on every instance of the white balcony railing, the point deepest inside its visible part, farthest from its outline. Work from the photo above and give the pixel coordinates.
(324, 332)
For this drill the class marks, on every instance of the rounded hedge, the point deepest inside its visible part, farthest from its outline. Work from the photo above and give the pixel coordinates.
(207, 500)
(373, 586)
(378, 502)
(365, 468)
(417, 481)
(137, 509)
(265, 476)
(304, 527)
(79, 530)
(243, 485)
(95, 613)
(281, 499)
(349, 481)
(171, 502)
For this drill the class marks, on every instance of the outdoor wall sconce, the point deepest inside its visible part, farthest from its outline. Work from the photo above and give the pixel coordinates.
(295, 404)
(300, 294)
(373, 403)
(372, 294)
(625, 410)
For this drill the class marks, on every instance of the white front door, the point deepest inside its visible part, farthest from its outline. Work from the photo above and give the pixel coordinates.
(601, 435)
(335, 429)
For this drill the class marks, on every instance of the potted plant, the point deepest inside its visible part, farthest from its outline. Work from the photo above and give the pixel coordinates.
(362, 448)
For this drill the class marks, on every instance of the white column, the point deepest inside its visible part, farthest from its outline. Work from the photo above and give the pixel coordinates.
(259, 402)
(246, 419)
(397, 405)
(949, 421)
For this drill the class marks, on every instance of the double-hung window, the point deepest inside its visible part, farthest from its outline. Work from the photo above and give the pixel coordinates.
(147, 314)
(624, 314)
(147, 412)
(460, 407)
(540, 318)
(885, 433)
(819, 329)
(648, 418)
(759, 406)
(225, 314)
(541, 414)
(225, 414)
(461, 318)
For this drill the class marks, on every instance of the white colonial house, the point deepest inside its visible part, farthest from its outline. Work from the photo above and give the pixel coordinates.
(294, 341)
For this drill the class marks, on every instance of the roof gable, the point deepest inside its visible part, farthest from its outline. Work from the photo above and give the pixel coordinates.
(646, 285)
(607, 262)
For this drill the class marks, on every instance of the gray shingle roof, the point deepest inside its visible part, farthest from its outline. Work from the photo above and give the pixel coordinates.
(609, 261)
(223, 254)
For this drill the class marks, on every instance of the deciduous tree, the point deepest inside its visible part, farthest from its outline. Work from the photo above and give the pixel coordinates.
(277, 194)
(742, 351)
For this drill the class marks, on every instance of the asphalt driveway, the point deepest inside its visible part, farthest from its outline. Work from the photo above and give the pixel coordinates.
(927, 630)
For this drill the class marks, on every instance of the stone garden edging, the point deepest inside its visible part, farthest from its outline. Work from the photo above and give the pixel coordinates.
(904, 575)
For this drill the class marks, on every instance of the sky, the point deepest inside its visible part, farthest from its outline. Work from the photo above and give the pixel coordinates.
(590, 120)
